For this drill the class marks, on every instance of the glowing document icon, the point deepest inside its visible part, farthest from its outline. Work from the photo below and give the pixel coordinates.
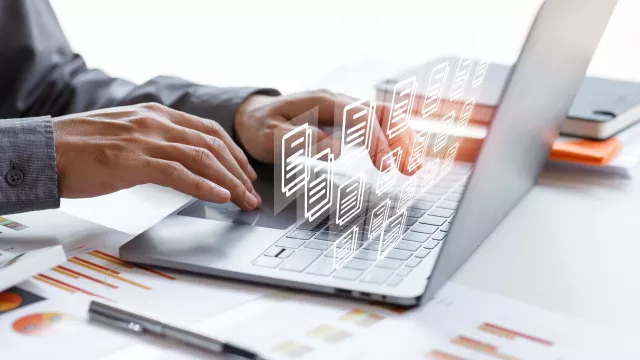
(350, 195)
(401, 104)
(406, 195)
(448, 160)
(345, 247)
(481, 71)
(296, 147)
(443, 137)
(357, 125)
(420, 143)
(378, 218)
(434, 89)
(387, 171)
(465, 114)
(460, 78)
(393, 231)
(318, 193)
(430, 174)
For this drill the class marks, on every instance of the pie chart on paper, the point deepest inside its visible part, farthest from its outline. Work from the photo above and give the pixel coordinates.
(9, 301)
(39, 323)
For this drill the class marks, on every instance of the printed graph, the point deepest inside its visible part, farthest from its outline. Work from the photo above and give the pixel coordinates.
(38, 323)
(16, 298)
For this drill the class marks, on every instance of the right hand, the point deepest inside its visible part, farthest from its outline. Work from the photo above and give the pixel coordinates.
(103, 151)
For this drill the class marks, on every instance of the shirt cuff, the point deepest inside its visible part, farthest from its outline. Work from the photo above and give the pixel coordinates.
(28, 176)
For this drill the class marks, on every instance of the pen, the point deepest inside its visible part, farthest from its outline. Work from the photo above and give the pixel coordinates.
(118, 316)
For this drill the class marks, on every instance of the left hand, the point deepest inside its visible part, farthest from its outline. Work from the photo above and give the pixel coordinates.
(260, 116)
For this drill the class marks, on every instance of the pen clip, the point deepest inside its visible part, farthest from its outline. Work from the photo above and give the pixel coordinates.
(122, 324)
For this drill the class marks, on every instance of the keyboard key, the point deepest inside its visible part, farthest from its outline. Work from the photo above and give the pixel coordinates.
(445, 213)
(290, 243)
(410, 221)
(439, 235)
(266, 261)
(414, 236)
(398, 254)
(453, 197)
(327, 236)
(273, 251)
(445, 204)
(285, 253)
(395, 280)
(301, 234)
(421, 205)
(431, 244)
(424, 228)
(413, 262)
(445, 227)
(358, 264)
(347, 274)
(432, 220)
(436, 190)
(429, 198)
(422, 253)
(388, 263)
(407, 245)
(374, 245)
(416, 213)
(311, 227)
(322, 267)
(377, 275)
(404, 271)
(300, 260)
(318, 245)
(367, 255)
(459, 190)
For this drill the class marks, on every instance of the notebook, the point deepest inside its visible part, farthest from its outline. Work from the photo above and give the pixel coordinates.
(16, 267)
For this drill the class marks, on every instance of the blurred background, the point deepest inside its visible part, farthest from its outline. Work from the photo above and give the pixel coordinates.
(293, 44)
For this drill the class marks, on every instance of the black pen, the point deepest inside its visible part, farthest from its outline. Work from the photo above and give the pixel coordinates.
(118, 316)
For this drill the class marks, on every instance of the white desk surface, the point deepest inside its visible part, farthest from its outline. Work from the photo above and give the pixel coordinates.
(571, 246)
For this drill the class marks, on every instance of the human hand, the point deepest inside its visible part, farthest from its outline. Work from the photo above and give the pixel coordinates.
(103, 151)
(261, 116)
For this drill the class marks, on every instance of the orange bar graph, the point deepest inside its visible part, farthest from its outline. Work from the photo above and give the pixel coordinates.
(54, 284)
(69, 286)
(105, 283)
(511, 334)
(109, 260)
(441, 355)
(84, 264)
(64, 272)
(117, 259)
(87, 262)
(481, 347)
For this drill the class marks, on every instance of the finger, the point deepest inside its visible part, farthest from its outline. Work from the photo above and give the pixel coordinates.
(174, 175)
(214, 129)
(203, 163)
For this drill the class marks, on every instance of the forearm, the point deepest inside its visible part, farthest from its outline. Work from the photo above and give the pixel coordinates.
(28, 179)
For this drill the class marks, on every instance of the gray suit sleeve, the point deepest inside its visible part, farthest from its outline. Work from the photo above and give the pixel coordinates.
(40, 75)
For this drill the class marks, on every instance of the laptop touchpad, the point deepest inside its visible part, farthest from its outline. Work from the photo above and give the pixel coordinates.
(230, 213)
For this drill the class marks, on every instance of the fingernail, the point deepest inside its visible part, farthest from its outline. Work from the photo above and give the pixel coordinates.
(252, 173)
(255, 194)
(250, 200)
(222, 193)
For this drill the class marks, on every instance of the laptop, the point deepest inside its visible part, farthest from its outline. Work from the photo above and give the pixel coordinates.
(419, 246)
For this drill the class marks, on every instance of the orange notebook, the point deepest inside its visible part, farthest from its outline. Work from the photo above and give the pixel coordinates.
(583, 151)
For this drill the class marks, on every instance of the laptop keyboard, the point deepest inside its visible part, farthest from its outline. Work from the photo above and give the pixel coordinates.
(310, 248)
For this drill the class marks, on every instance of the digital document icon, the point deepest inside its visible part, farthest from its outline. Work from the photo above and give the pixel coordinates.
(318, 194)
(296, 147)
(481, 71)
(350, 196)
(433, 95)
(460, 78)
(357, 126)
(401, 104)
(393, 230)
(378, 218)
(430, 174)
(387, 171)
(448, 160)
(465, 114)
(442, 138)
(420, 143)
(345, 247)
(406, 195)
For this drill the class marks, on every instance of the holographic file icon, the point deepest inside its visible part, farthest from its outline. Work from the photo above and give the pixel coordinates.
(430, 174)
(345, 247)
(393, 230)
(357, 126)
(460, 78)
(296, 147)
(443, 137)
(465, 114)
(350, 196)
(448, 160)
(435, 88)
(420, 143)
(318, 194)
(378, 218)
(401, 104)
(481, 71)
(406, 195)
(388, 168)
